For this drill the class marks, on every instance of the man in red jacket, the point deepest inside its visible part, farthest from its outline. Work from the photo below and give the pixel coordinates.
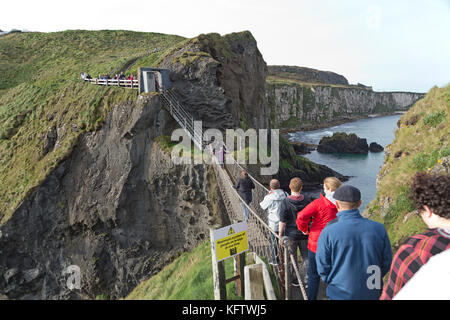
(321, 211)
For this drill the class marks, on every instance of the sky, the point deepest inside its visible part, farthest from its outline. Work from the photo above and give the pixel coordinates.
(400, 45)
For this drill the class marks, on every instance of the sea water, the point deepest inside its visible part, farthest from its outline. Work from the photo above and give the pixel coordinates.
(362, 168)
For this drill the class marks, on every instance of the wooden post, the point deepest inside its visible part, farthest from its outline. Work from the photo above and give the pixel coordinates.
(287, 273)
(255, 282)
(239, 265)
(218, 268)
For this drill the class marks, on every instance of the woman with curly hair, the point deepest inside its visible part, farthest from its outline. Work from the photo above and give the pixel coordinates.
(431, 194)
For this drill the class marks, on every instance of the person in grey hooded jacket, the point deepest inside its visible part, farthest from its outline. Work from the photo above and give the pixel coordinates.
(272, 203)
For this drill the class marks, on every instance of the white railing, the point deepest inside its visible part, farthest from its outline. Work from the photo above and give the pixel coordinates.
(133, 84)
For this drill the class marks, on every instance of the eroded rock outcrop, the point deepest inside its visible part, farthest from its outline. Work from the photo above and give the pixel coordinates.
(341, 142)
(117, 207)
(296, 105)
(221, 79)
(375, 147)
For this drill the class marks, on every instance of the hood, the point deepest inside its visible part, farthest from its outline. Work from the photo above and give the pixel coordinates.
(330, 201)
(330, 197)
(296, 203)
(277, 194)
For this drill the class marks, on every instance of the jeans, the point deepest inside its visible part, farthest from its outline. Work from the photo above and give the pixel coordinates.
(313, 277)
(244, 211)
(273, 248)
(302, 245)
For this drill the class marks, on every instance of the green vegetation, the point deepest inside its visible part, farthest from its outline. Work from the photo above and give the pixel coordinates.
(188, 58)
(290, 160)
(43, 57)
(292, 122)
(380, 108)
(421, 145)
(433, 119)
(41, 96)
(423, 161)
(188, 277)
(282, 80)
(166, 143)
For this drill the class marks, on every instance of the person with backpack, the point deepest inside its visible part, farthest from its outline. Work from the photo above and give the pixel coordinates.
(244, 187)
(320, 211)
(272, 203)
(288, 227)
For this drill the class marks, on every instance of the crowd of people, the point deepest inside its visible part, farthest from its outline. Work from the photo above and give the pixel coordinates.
(117, 76)
(352, 254)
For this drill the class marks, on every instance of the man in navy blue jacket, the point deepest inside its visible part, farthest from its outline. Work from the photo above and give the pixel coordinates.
(353, 253)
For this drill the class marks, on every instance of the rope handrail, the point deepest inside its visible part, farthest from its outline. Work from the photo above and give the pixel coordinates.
(262, 240)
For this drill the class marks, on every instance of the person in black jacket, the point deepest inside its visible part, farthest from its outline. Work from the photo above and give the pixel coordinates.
(244, 187)
(288, 226)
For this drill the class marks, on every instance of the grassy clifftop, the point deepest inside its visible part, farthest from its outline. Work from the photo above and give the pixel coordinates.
(44, 108)
(187, 278)
(421, 144)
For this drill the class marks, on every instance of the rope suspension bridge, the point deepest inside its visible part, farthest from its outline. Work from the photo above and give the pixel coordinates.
(259, 233)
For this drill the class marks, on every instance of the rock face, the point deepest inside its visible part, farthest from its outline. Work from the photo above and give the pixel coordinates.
(375, 147)
(312, 174)
(307, 74)
(303, 148)
(118, 208)
(341, 142)
(221, 79)
(293, 105)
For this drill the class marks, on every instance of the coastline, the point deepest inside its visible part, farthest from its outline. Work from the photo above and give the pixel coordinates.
(329, 124)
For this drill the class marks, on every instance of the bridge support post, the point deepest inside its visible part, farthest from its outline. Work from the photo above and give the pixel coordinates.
(218, 268)
(239, 266)
(287, 271)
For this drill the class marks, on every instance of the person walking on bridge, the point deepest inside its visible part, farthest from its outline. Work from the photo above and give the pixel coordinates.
(321, 211)
(272, 203)
(288, 227)
(244, 187)
(431, 195)
(353, 253)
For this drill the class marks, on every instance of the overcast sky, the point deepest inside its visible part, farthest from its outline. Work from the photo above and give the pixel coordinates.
(391, 45)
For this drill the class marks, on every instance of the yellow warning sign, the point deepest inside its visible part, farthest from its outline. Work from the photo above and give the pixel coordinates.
(230, 241)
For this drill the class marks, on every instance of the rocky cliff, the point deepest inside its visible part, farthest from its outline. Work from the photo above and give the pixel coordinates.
(306, 74)
(421, 144)
(117, 207)
(221, 80)
(90, 182)
(294, 104)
